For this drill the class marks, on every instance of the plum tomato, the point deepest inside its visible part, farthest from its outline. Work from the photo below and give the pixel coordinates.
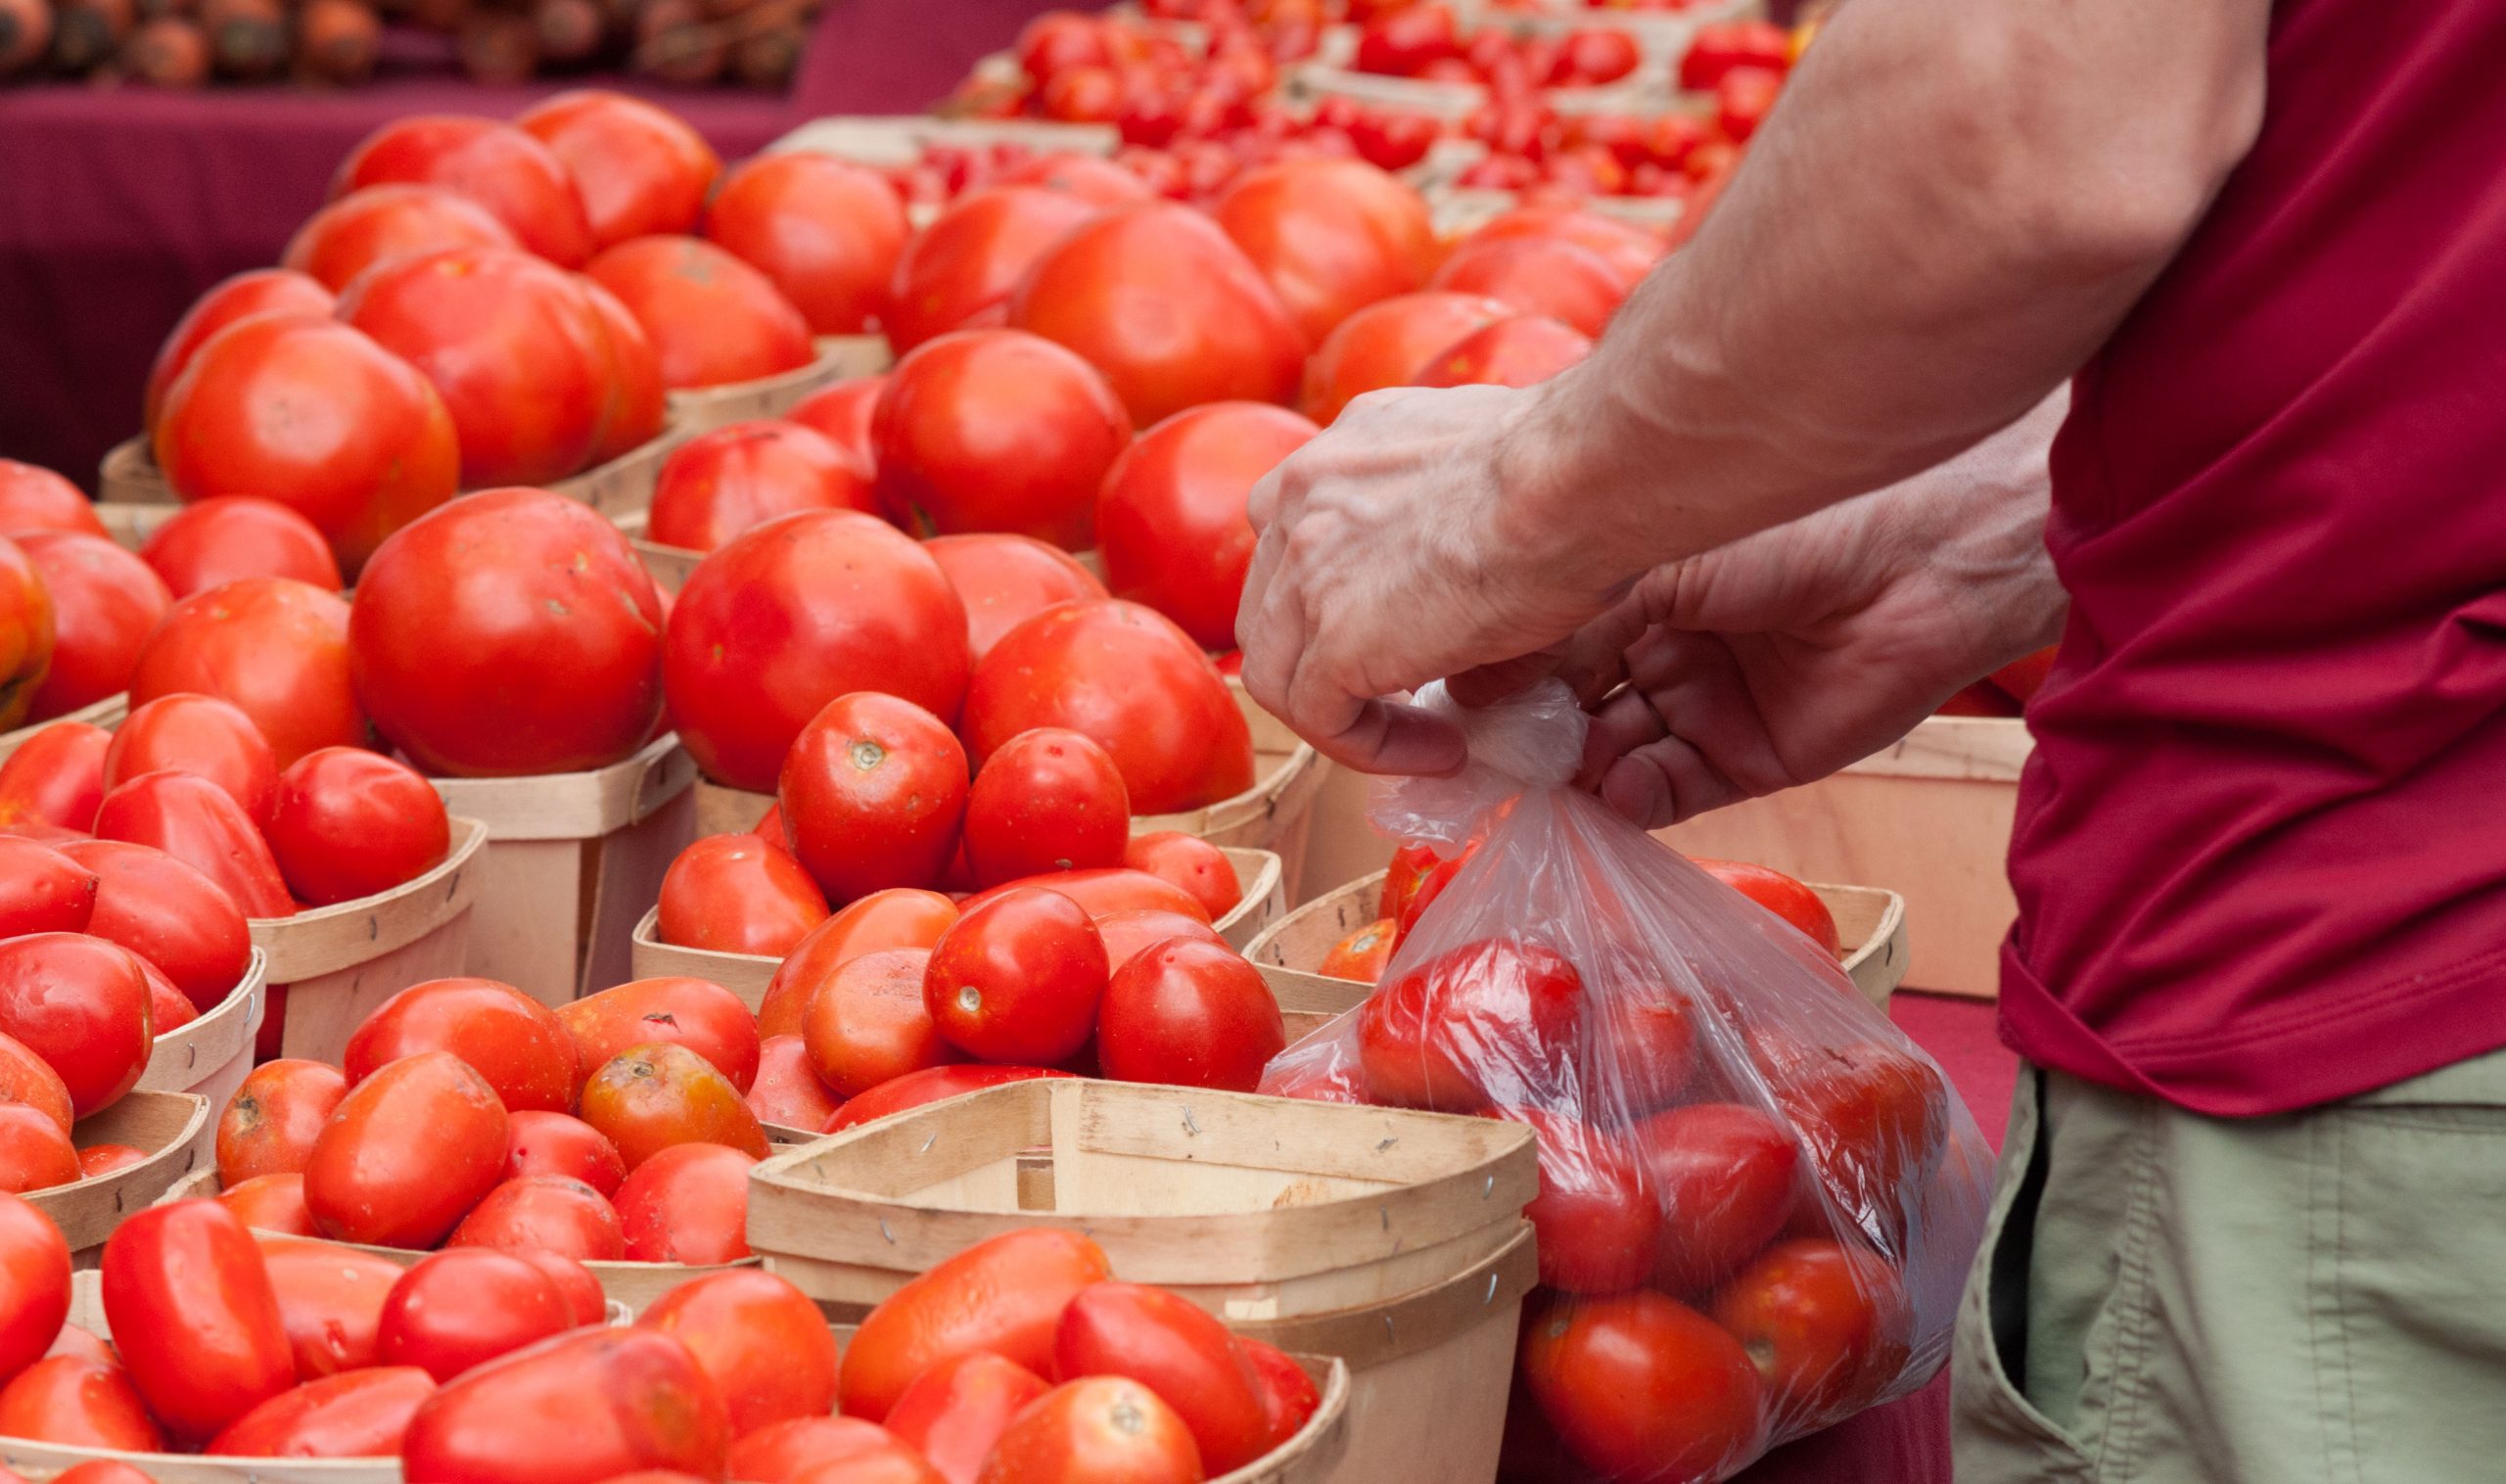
(1005, 579)
(379, 223)
(78, 1401)
(170, 914)
(1177, 1350)
(1538, 275)
(34, 498)
(996, 431)
(1780, 895)
(199, 823)
(1103, 893)
(1362, 956)
(28, 1079)
(200, 736)
(350, 823)
(26, 633)
(1517, 352)
(1102, 1428)
(270, 1125)
(585, 1301)
(42, 890)
(496, 165)
(900, 917)
(582, 1407)
(407, 1153)
(55, 777)
(218, 541)
(1640, 1386)
(653, 1096)
(1171, 524)
(870, 1023)
(1494, 1021)
(638, 168)
(1384, 344)
(955, 1411)
(560, 1144)
(711, 318)
(971, 257)
(1597, 1224)
(360, 1415)
(1191, 863)
(841, 412)
(734, 477)
(274, 648)
(738, 894)
(1004, 1295)
(511, 1040)
(763, 1343)
(34, 1154)
(780, 1453)
(1128, 934)
(1190, 1013)
(696, 1013)
(787, 1093)
(106, 1159)
(256, 291)
(331, 1300)
(1331, 236)
(873, 794)
(104, 604)
(1827, 1327)
(1724, 1177)
(828, 232)
(457, 1309)
(194, 1316)
(1289, 1396)
(271, 1203)
(81, 1004)
(1046, 799)
(1018, 979)
(915, 1088)
(687, 1204)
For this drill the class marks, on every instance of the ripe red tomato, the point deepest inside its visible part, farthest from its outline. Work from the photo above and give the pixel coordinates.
(841, 412)
(687, 1204)
(1171, 523)
(407, 1153)
(1101, 894)
(1004, 1295)
(581, 1409)
(539, 1142)
(276, 648)
(760, 1341)
(1642, 1387)
(901, 917)
(194, 1316)
(696, 1013)
(955, 1411)
(1362, 956)
(104, 601)
(350, 823)
(1403, 42)
(270, 1124)
(662, 1093)
(1018, 979)
(1289, 1396)
(1005, 579)
(1128, 934)
(218, 541)
(719, 484)
(1723, 1174)
(1519, 351)
(200, 824)
(1538, 275)
(915, 1088)
(1629, 248)
(42, 890)
(1827, 1326)
(513, 632)
(1158, 299)
(200, 736)
(1127, 677)
(1497, 1021)
(1189, 862)
(313, 415)
(1870, 1117)
(712, 319)
(377, 224)
(1331, 236)
(868, 1024)
(361, 1414)
(81, 1004)
(971, 255)
(1384, 344)
(794, 614)
(1190, 1013)
(511, 1040)
(787, 1093)
(457, 1309)
(1175, 1350)
(828, 232)
(1743, 98)
(1594, 54)
(259, 291)
(1780, 895)
(27, 1079)
(34, 498)
(1060, 39)
(1099, 182)
(331, 1300)
(585, 1299)
(738, 894)
(638, 402)
(25, 632)
(640, 169)
(273, 1203)
(78, 1401)
(1597, 1224)
(995, 430)
(168, 913)
(34, 1276)
(780, 1453)
(496, 165)
(1048, 800)
(873, 794)
(55, 777)
(1104, 1427)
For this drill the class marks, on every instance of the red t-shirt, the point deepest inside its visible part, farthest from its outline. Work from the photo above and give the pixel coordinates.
(2262, 849)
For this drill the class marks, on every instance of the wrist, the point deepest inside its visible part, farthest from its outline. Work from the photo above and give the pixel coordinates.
(1566, 511)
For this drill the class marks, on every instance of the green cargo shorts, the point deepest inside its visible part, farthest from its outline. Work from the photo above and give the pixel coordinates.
(2318, 1298)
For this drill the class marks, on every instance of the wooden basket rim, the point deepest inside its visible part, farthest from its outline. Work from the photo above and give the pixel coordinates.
(87, 1211)
(106, 714)
(192, 1050)
(1963, 749)
(697, 410)
(577, 805)
(327, 938)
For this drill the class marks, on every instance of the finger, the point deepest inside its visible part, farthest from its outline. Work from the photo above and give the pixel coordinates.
(1666, 782)
(1269, 628)
(1393, 737)
(1621, 724)
(1259, 576)
(1487, 684)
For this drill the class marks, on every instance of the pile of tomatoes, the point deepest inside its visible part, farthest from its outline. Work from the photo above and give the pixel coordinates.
(1425, 41)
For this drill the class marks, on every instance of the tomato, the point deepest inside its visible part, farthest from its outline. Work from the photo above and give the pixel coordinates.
(1384, 345)
(313, 415)
(496, 165)
(1289, 1396)
(828, 232)
(1430, 886)
(55, 776)
(1723, 1176)
(1060, 39)
(841, 412)
(2022, 678)
(780, 1452)
(578, 1408)
(1402, 42)
(194, 1316)
(1411, 865)
(170, 914)
(1004, 1294)
(1868, 1116)
(1362, 956)
(101, 1471)
(1519, 351)
(1128, 934)
(971, 257)
(1827, 1327)
(1192, 1013)
(513, 632)
(198, 735)
(1189, 862)
(712, 319)
(103, 603)
(1493, 1021)
(106, 1159)
(42, 890)
(1048, 800)
(275, 648)
(407, 1153)
(1004, 580)
(539, 1142)
(873, 793)
(915, 1088)
(723, 483)
(1018, 979)
(378, 224)
(638, 402)
(638, 168)
(1331, 236)
(350, 823)
(585, 1302)
(1177, 1351)
(270, 1125)
(331, 1300)
(1103, 893)
(1642, 1387)
(511, 344)
(34, 498)
(259, 291)
(760, 1341)
(29, 1080)
(197, 824)
(1099, 182)
(662, 1093)
(457, 1309)
(358, 1415)
(1630, 249)
(901, 917)
(697, 1013)
(273, 1203)
(218, 541)
(81, 1004)
(35, 1285)
(75, 1401)
(868, 1024)
(25, 632)
(518, 1045)
(996, 431)
(955, 1411)
(1158, 299)
(168, 1009)
(1598, 1225)
(1780, 895)
(1538, 275)
(787, 1093)
(687, 1204)
(737, 894)
(1171, 519)
(1104, 1429)
(788, 616)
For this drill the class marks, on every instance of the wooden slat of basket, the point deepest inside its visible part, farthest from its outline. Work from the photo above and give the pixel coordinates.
(171, 1128)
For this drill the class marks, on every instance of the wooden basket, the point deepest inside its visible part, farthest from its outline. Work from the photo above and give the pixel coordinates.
(573, 860)
(747, 974)
(1930, 815)
(330, 967)
(840, 357)
(107, 713)
(889, 141)
(173, 1128)
(212, 1054)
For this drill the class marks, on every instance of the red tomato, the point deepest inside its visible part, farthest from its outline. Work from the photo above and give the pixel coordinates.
(1101, 182)
(106, 1159)
(659, 1094)
(868, 1024)
(511, 344)
(259, 291)
(81, 1004)
(407, 1153)
(971, 255)
(1190, 1013)
(826, 231)
(194, 1316)
(1289, 1396)
(638, 402)
(1597, 1224)
(1018, 979)
(456, 1311)
(350, 823)
(712, 319)
(378, 224)
(539, 1142)
(1189, 862)
(873, 794)
(915, 1088)
(737, 894)
(787, 1093)
(1780, 895)
(104, 602)
(270, 1125)
(955, 1411)
(995, 430)
(200, 736)
(1128, 934)
(1980, 699)
(640, 169)
(781, 1452)
(513, 632)
(1403, 42)
(25, 632)
(1594, 54)
(1157, 298)
(1520, 352)
(168, 913)
(511, 1040)
(1538, 275)
(1723, 1174)
(1102, 893)
(313, 415)
(1104, 1427)
(842, 413)
(33, 499)
(55, 777)
(1744, 98)
(1048, 800)
(1175, 1350)
(765, 633)
(687, 1204)
(760, 1341)
(696, 1013)
(1384, 344)
(273, 1203)
(901, 917)
(42, 890)
(496, 165)
(1004, 580)
(1496, 1021)
(76, 1400)
(34, 1274)
(360, 1415)
(2020, 678)
(1060, 39)
(585, 1301)
(275, 648)
(197, 824)
(27, 1079)
(1627, 246)
(331, 1299)
(719, 484)
(1827, 1326)
(101, 1471)
(1362, 956)
(1870, 1117)
(1004, 1294)
(1331, 236)
(1171, 523)
(223, 541)
(1642, 1387)
(580, 1409)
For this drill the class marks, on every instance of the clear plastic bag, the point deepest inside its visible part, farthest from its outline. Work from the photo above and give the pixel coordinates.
(1758, 1198)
